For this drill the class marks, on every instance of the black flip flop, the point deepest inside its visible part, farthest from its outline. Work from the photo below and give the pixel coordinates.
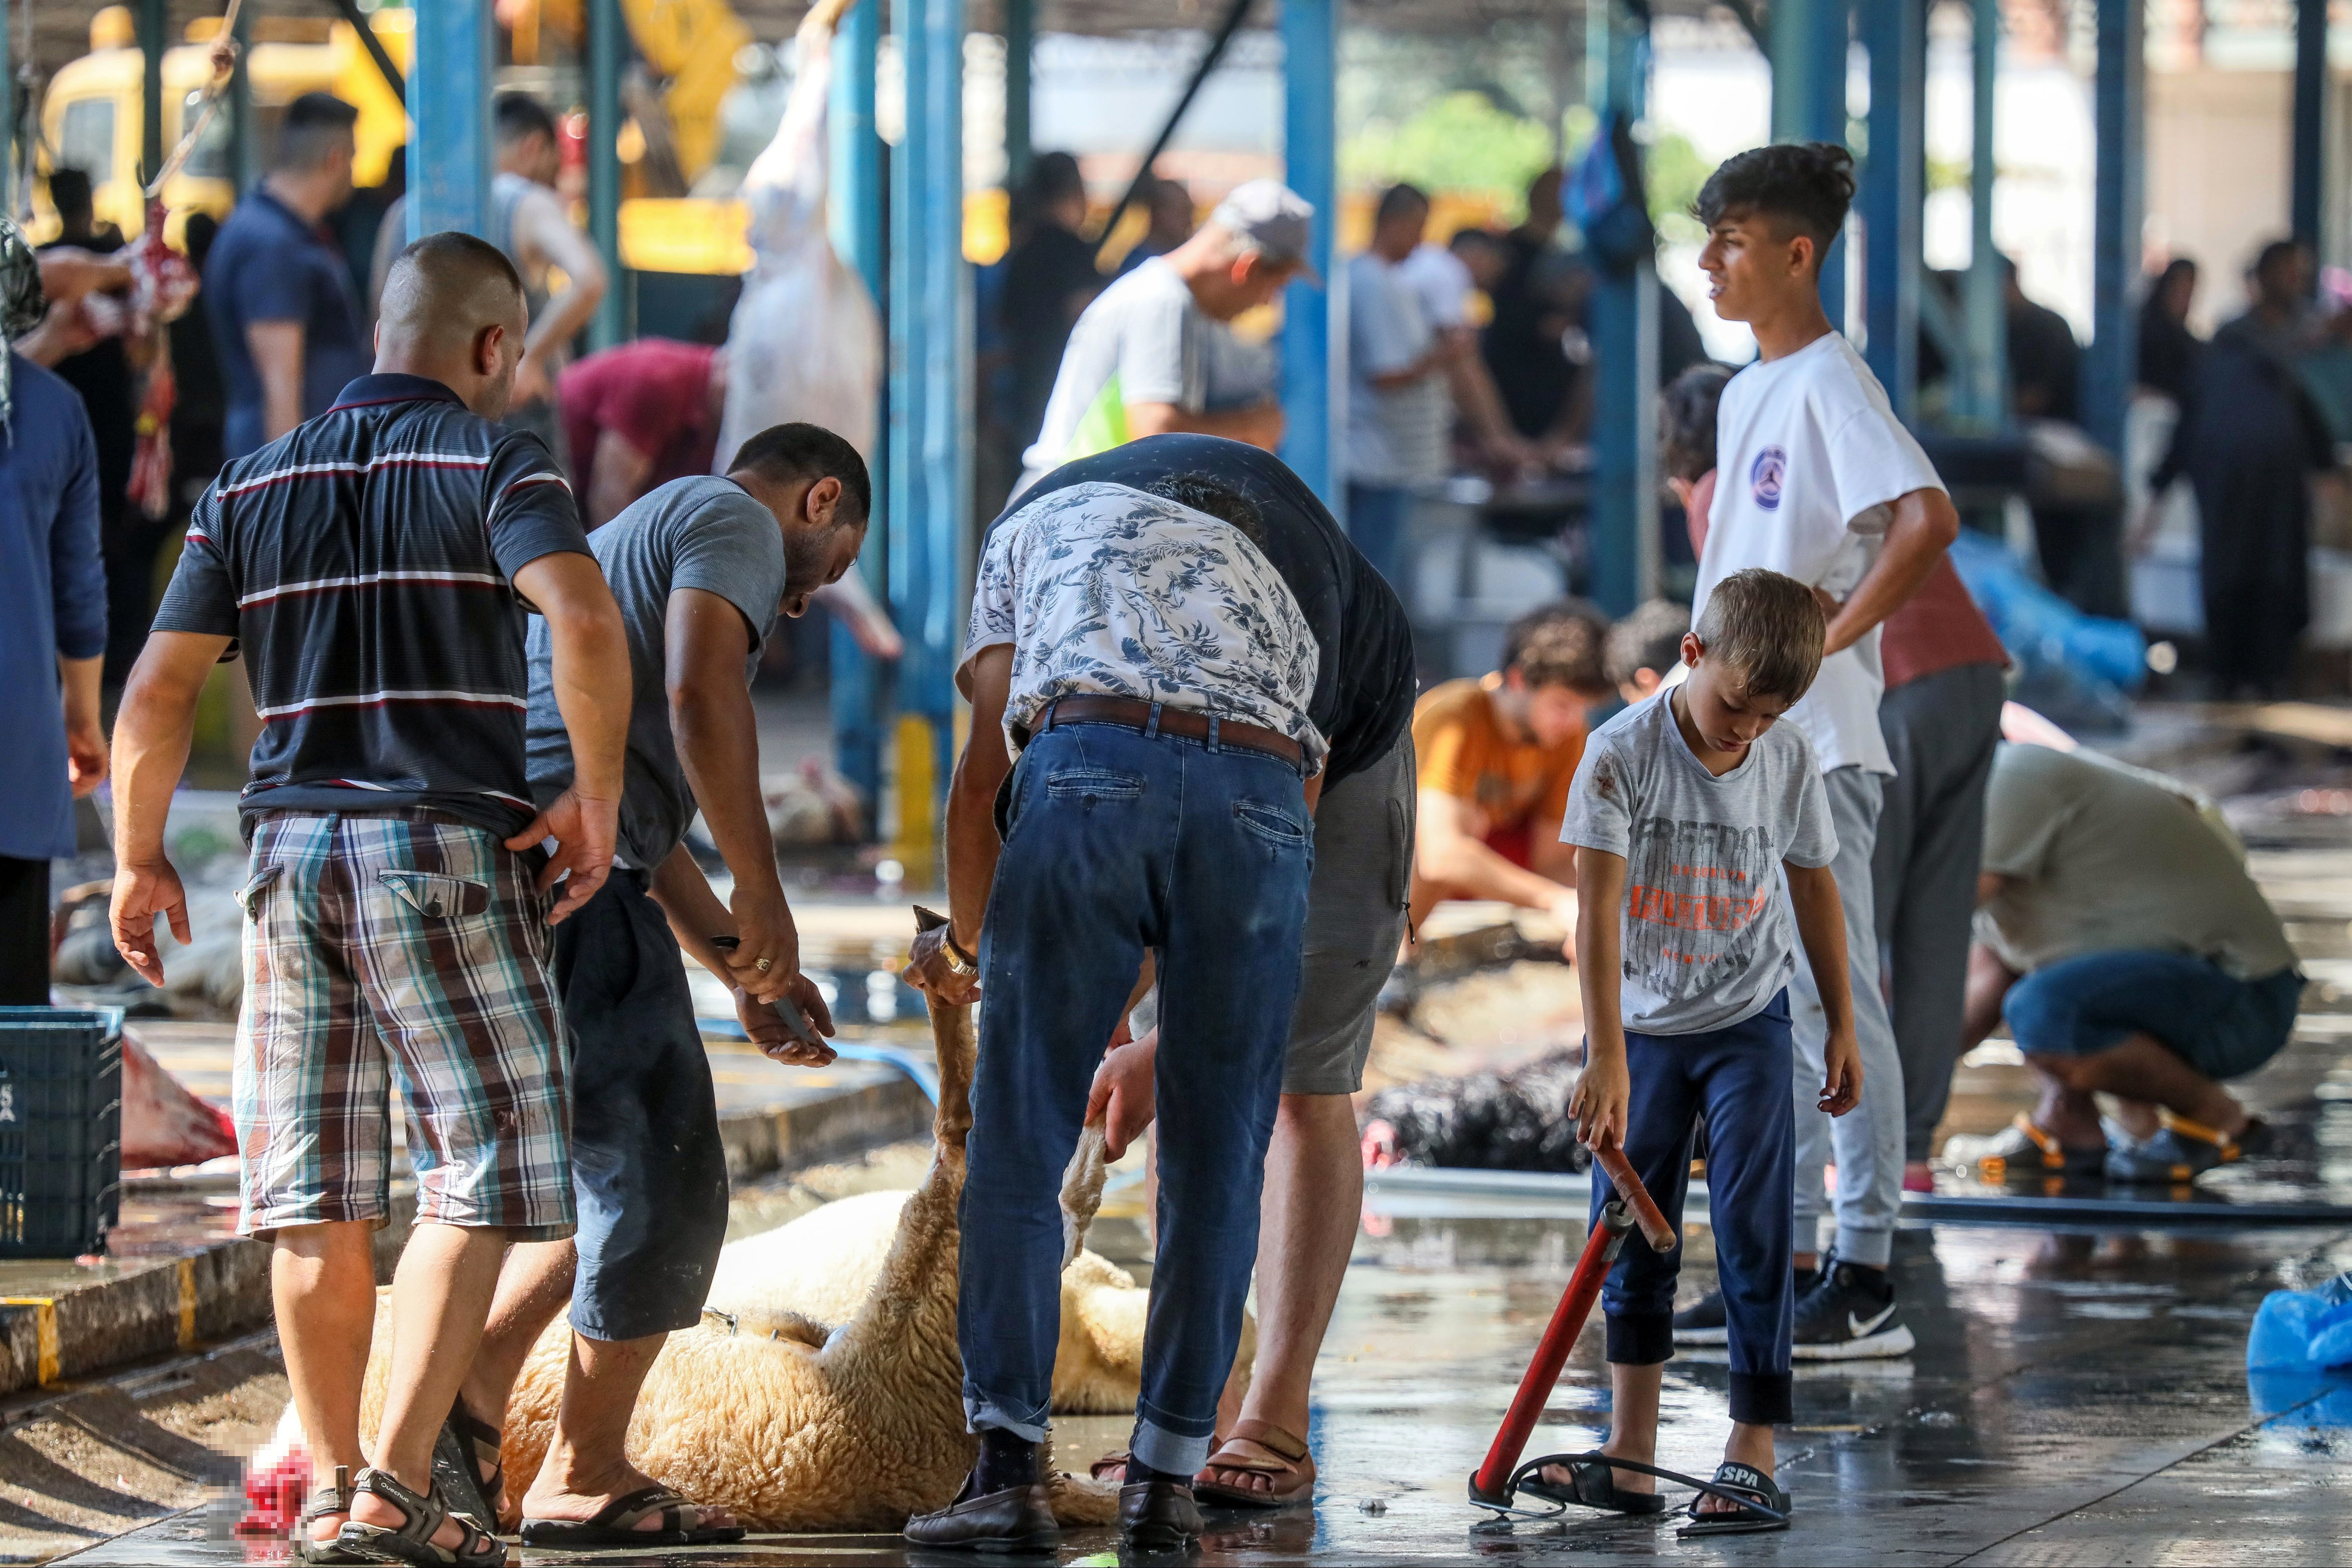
(1592, 1484)
(616, 1523)
(1762, 1505)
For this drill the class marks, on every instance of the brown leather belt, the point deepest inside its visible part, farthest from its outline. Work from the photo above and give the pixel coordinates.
(1189, 723)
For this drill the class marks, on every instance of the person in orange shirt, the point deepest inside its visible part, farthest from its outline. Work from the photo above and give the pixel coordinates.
(1496, 757)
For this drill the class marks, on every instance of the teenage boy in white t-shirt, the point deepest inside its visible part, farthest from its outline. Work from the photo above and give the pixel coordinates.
(1816, 478)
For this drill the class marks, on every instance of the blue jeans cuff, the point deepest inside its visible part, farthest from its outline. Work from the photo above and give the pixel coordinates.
(1640, 1339)
(1170, 1453)
(980, 1414)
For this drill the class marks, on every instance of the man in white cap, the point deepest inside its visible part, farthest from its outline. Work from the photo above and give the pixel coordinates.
(1153, 354)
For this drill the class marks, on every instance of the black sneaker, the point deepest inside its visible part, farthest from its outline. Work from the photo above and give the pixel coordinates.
(1850, 1314)
(1708, 1323)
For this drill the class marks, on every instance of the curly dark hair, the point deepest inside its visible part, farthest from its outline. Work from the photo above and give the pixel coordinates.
(1808, 185)
(1559, 645)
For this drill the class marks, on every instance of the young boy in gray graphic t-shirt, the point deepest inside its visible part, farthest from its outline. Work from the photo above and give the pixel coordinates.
(1688, 812)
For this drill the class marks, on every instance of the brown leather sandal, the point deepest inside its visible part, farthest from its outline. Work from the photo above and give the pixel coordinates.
(1290, 1470)
(1103, 1469)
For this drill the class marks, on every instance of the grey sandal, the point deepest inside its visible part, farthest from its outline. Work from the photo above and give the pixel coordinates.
(413, 1541)
(322, 1501)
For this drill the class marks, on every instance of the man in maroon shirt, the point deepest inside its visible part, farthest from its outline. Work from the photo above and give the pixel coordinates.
(639, 415)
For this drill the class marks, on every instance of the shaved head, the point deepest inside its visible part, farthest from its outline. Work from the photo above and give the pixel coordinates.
(454, 311)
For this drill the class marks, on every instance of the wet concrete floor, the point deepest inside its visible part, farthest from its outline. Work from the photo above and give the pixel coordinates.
(2076, 1397)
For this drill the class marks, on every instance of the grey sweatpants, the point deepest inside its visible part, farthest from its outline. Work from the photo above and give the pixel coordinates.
(1868, 1139)
(1941, 729)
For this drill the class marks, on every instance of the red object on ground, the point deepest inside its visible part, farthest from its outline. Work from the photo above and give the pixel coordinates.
(162, 1122)
(273, 1498)
(1631, 1207)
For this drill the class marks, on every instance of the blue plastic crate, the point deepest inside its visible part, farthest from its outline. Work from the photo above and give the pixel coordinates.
(60, 1130)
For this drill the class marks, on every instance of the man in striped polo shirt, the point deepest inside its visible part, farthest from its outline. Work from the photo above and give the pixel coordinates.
(374, 567)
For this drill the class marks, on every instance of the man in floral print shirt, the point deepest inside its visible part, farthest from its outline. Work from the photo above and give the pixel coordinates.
(1138, 789)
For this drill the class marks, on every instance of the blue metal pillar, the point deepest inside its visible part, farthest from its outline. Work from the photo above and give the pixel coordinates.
(7, 108)
(607, 52)
(1894, 182)
(855, 219)
(155, 28)
(1019, 45)
(928, 462)
(1625, 410)
(1809, 59)
(1311, 71)
(1983, 384)
(449, 116)
(2111, 365)
(2310, 118)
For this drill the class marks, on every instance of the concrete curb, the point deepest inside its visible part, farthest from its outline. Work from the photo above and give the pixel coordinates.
(132, 1307)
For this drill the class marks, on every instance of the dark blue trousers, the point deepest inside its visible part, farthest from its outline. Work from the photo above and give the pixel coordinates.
(1739, 1078)
(1120, 842)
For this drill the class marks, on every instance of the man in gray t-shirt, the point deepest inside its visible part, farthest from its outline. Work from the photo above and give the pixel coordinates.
(700, 568)
(2122, 938)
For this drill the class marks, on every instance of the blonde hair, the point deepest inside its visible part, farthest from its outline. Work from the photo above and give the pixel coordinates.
(1768, 627)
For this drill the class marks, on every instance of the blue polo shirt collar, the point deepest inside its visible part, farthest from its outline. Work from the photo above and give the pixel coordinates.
(394, 387)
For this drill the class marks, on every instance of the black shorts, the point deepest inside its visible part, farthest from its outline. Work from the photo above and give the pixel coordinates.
(648, 1170)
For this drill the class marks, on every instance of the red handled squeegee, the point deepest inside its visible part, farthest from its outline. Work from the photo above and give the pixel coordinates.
(1494, 1486)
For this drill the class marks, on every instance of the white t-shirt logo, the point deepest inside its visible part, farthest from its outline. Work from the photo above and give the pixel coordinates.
(1764, 478)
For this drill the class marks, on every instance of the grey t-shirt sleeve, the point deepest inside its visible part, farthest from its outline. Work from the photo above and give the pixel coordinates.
(729, 545)
(1811, 833)
(1599, 805)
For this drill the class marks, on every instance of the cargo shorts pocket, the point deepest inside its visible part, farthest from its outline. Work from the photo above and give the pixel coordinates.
(436, 897)
(249, 897)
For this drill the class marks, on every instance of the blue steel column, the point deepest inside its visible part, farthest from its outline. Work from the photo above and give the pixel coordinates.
(1019, 45)
(607, 47)
(929, 351)
(449, 113)
(1894, 180)
(1809, 55)
(1625, 402)
(154, 28)
(2111, 365)
(2310, 118)
(1311, 70)
(7, 108)
(1983, 383)
(855, 219)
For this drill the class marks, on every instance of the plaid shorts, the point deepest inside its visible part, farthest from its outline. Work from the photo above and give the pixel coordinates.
(407, 949)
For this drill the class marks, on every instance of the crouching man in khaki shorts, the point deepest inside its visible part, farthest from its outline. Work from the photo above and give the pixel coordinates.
(374, 567)
(1356, 918)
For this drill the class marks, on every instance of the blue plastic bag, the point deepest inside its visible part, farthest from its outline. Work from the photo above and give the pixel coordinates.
(2302, 1331)
(2038, 627)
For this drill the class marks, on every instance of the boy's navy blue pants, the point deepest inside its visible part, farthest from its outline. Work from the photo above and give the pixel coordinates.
(1738, 1078)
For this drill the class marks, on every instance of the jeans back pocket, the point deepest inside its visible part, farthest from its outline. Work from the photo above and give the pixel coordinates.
(1091, 786)
(1272, 823)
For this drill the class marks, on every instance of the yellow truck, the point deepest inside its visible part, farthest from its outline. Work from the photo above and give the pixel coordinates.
(90, 116)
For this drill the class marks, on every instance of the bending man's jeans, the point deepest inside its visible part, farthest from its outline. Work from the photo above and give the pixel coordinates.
(1119, 842)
